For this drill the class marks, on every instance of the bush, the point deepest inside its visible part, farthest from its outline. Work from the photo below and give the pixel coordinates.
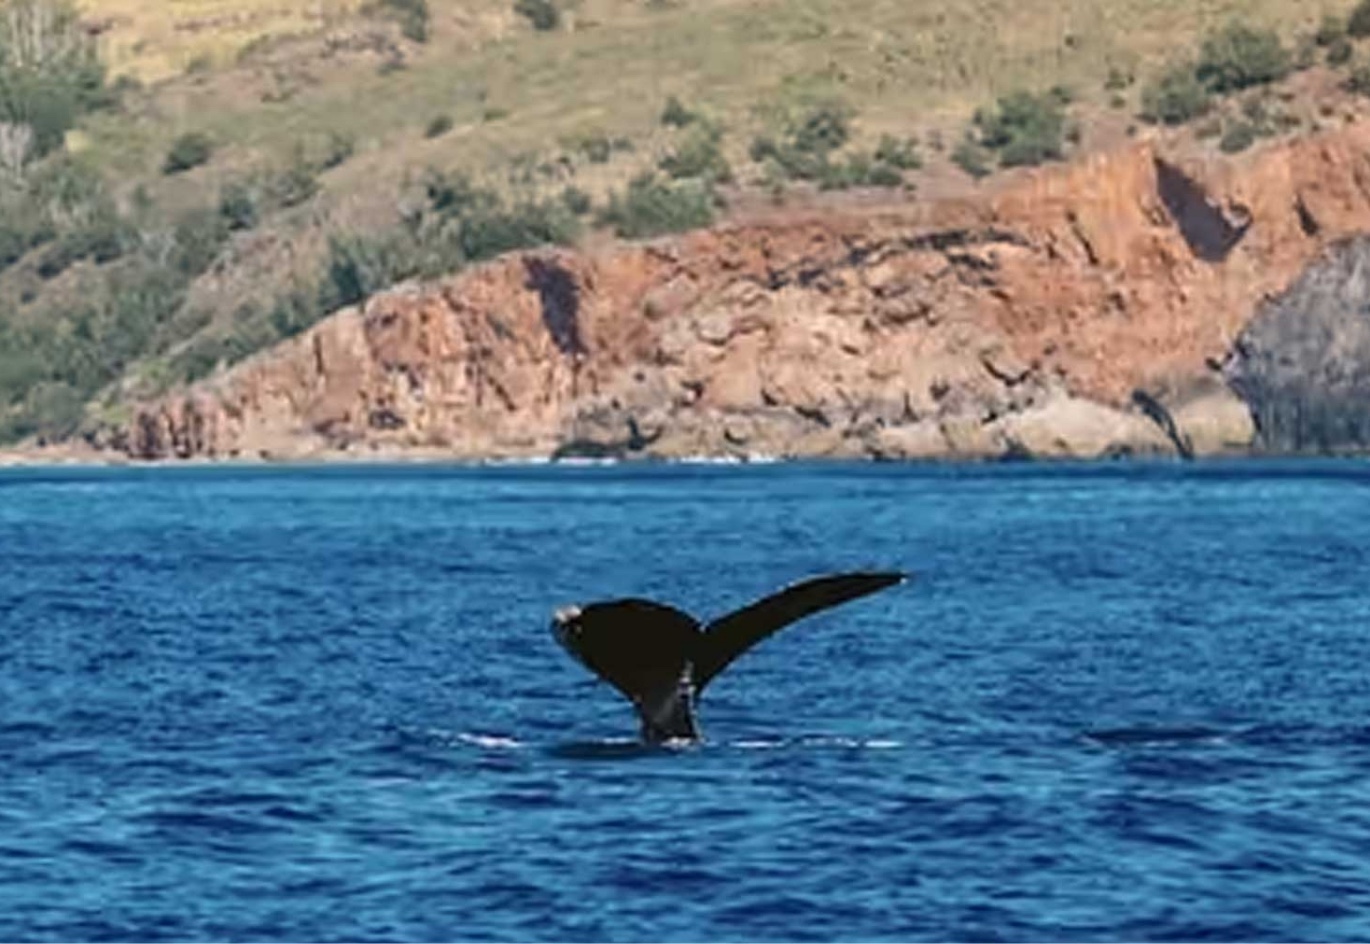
(438, 126)
(699, 155)
(1025, 129)
(52, 410)
(489, 234)
(238, 206)
(189, 151)
(357, 268)
(1358, 23)
(543, 14)
(294, 185)
(676, 115)
(971, 158)
(577, 201)
(198, 358)
(1175, 97)
(823, 129)
(412, 15)
(896, 153)
(1340, 51)
(859, 170)
(1330, 30)
(49, 71)
(1239, 56)
(810, 140)
(1117, 79)
(1238, 137)
(199, 235)
(102, 238)
(652, 207)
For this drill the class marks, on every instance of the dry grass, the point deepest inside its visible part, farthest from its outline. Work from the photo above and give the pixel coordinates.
(159, 39)
(904, 64)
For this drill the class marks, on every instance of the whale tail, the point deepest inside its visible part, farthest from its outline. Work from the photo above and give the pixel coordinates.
(661, 659)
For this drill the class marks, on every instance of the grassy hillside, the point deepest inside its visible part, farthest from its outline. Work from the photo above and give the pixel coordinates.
(259, 163)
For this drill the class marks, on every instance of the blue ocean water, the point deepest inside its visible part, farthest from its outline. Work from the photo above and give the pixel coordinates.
(1119, 701)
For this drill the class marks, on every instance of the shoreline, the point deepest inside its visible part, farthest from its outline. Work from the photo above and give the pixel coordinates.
(19, 461)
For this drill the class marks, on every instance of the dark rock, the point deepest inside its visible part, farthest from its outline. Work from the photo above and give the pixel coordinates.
(1303, 363)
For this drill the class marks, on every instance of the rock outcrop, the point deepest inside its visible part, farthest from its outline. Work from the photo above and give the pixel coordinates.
(1303, 364)
(1023, 324)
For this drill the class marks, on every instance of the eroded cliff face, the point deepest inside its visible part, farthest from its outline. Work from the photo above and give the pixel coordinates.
(1303, 363)
(1084, 311)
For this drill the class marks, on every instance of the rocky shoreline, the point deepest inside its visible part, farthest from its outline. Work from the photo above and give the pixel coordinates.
(1135, 303)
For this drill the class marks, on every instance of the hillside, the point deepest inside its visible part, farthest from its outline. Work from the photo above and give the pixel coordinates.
(257, 166)
(1082, 312)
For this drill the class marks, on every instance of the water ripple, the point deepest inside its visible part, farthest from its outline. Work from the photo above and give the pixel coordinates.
(1121, 702)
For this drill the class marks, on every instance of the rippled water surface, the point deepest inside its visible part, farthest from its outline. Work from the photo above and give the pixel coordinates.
(1127, 701)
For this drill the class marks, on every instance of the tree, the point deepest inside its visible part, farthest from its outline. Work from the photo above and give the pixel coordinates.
(49, 71)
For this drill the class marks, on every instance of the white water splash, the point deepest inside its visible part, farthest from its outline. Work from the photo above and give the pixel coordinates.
(490, 741)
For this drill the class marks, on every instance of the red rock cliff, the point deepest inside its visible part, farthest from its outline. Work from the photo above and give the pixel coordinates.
(1021, 324)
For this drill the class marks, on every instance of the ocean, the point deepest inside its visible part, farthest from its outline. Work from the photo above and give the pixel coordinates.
(1116, 701)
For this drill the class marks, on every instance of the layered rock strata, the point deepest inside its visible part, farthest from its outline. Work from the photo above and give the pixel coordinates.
(1084, 311)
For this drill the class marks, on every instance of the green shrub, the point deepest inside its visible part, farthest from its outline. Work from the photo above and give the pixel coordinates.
(454, 195)
(412, 15)
(543, 14)
(189, 151)
(1240, 56)
(1117, 79)
(1358, 23)
(652, 207)
(823, 129)
(16, 239)
(699, 155)
(358, 267)
(294, 185)
(439, 126)
(296, 310)
(464, 222)
(1175, 97)
(896, 153)
(53, 410)
(1024, 128)
(492, 233)
(676, 115)
(238, 206)
(102, 237)
(971, 157)
(199, 236)
(1331, 29)
(50, 73)
(198, 358)
(1340, 51)
(576, 200)
(858, 170)
(1238, 137)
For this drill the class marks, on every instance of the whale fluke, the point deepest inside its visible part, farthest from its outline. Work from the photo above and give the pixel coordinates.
(661, 658)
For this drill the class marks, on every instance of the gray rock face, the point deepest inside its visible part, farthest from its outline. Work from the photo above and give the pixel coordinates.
(1303, 363)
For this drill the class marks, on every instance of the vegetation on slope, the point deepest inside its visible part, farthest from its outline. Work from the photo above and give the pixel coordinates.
(252, 166)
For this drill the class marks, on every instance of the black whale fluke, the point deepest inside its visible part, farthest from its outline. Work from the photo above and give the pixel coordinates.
(662, 659)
